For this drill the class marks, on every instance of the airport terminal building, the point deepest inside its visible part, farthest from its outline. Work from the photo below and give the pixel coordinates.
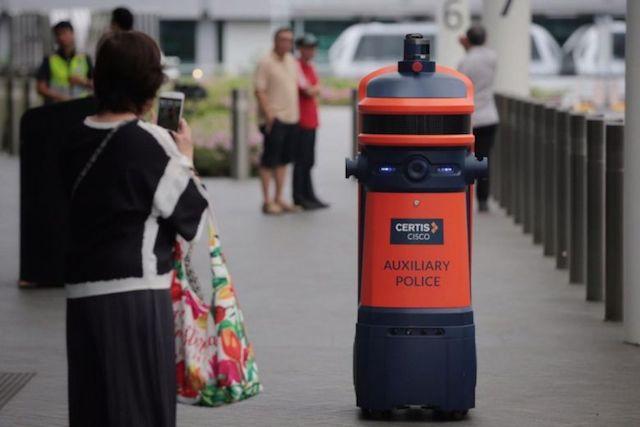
(228, 36)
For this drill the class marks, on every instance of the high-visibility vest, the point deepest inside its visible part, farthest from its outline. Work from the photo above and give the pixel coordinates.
(61, 70)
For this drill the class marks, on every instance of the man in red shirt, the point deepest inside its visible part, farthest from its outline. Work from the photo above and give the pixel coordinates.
(309, 89)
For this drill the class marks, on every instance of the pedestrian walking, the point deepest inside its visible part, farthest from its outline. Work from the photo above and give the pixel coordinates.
(304, 159)
(132, 191)
(276, 88)
(479, 64)
(65, 74)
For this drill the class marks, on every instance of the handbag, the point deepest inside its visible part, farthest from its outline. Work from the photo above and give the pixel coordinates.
(215, 362)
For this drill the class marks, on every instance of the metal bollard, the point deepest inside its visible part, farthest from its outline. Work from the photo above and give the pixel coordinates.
(529, 168)
(563, 180)
(595, 208)
(524, 159)
(577, 243)
(538, 174)
(354, 122)
(505, 154)
(613, 307)
(4, 113)
(549, 235)
(495, 176)
(516, 144)
(511, 107)
(513, 160)
(524, 166)
(240, 134)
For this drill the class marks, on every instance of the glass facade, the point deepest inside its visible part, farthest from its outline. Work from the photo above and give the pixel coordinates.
(618, 45)
(178, 38)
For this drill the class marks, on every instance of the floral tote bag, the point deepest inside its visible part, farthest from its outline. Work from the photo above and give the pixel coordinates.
(215, 363)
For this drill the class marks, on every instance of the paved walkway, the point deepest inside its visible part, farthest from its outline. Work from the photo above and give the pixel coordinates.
(545, 356)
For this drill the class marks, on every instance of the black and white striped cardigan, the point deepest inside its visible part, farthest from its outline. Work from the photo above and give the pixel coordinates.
(126, 213)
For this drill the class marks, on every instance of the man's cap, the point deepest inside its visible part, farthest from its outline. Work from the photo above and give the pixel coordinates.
(307, 40)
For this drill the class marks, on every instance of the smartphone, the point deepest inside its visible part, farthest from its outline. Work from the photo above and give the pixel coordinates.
(170, 106)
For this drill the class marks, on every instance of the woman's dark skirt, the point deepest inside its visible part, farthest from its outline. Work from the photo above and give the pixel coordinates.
(120, 350)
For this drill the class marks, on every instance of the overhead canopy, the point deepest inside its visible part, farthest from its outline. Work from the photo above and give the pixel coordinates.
(329, 9)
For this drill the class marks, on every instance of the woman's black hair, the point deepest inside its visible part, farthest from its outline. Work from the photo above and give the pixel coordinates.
(128, 72)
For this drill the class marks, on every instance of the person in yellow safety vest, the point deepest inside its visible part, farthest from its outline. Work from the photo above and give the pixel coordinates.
(64, 74)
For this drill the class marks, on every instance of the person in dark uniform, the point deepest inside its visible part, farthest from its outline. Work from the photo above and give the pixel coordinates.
(309, 88)
(65, 74)
(132, 191)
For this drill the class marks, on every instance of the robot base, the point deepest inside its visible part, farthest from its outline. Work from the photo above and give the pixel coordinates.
(409, 357)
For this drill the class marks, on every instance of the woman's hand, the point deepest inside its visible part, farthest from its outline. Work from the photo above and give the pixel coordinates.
(183, 139)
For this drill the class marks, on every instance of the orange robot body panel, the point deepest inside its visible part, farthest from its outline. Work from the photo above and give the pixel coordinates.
(417, 140)
(434, 274)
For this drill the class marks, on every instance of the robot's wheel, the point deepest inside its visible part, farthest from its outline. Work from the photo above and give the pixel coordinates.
(375, 414)
(450, 415)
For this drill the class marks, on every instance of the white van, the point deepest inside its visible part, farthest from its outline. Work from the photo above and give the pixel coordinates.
(597, 49)
(546, 54)
(363, 48)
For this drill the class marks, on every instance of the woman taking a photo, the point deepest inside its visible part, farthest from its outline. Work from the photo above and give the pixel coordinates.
(132, 191)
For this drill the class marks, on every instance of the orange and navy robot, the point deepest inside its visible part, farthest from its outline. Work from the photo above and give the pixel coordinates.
(415, 335)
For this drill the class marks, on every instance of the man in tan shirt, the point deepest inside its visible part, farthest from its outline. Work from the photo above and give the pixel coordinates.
(276, 87)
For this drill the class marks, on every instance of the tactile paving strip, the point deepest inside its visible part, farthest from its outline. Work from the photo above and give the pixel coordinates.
(11, 383)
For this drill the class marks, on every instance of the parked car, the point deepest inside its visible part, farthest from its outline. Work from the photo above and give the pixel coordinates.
(596, 49)
(362, 48)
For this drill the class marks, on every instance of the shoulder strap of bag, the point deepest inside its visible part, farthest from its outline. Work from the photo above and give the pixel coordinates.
(103, 144)
(217, 263)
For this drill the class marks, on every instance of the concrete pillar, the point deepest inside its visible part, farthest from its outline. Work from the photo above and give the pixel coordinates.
(453, 19)
(631, 187)
(507, 23)
(206, 45)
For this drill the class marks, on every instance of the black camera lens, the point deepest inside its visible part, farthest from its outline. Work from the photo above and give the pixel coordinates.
(416, 47)
(417, 169)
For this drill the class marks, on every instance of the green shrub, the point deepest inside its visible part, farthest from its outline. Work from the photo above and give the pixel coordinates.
(212, 161)
(216, 162)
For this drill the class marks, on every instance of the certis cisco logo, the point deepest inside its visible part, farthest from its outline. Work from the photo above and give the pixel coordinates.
(424, 231)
